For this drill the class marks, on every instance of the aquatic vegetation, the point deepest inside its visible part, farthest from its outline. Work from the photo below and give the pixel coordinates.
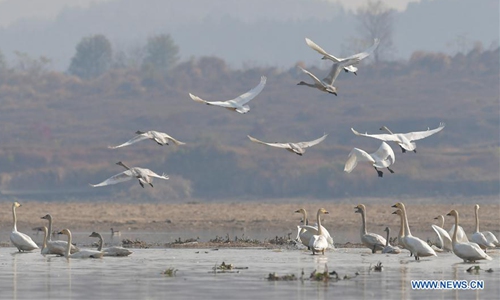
(186, 241)
(275, 277)
(227, 268)
(378, 267)
(170, 272)
(135, 244)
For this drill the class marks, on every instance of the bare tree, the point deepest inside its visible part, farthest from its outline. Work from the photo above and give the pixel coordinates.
(376, 20)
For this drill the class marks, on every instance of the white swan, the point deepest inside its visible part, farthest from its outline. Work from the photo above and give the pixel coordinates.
(82, 253)
(417, 247)
(306, 231)
(145, 176)
(44, 244)
(326, 85)
(371, 240)
(55, 247)
(461, 236)
(22, 241)
(160, 138)
(444, 239)
(383, 158)
(405, 140)
(318, 242)
(297, 148)
(478, 237)
(236, 104)
(468, 251)
(401, 233)
(111, 251)
(388, 247)
(348, 68)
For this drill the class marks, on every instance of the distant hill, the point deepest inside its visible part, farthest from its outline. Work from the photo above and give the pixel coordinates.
(56, 129)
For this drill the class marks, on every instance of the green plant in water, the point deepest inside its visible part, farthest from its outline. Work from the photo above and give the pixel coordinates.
(170, 272)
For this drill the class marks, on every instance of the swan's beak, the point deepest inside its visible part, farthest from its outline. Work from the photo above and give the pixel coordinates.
(435, 218)
(297, 211)
(326, 213)
(395, 212)
(394, 205)
(448, 214)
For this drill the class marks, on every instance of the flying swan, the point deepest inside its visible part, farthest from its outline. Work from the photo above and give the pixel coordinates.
(159, 137)
(111, 251)
(383, 158)
(348, 68)
(145, 176)
(236, 104)
(371, 240)
(468, 251)
(298, 148)
(405, 140)
(22, 241)
(326, 85)
(417, 247)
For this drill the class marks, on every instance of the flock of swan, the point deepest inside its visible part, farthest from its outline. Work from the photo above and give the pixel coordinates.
(315, 237)
(318, 239)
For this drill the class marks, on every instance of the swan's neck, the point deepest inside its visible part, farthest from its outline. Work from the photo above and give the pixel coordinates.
(49, 235)
(442, 220)
(44, 245)
(388, 130)
(454, 237)
(14, 217)
(363, 225)
(387, 240)
(477, 218)
(407, 226)
(100, 243)
(308, 84)
(68, 247)
(306, 221)
(402, 227)
(320, 230)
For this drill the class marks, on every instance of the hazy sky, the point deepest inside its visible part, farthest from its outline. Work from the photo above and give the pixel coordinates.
(13, 10)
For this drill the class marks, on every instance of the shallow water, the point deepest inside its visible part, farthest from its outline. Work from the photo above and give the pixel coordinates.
(31, 275)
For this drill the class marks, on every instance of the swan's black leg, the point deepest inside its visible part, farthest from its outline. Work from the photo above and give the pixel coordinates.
(390, 170)
(141, 184)
(374, 249)
(415, 151)
(151, 184)
(403, 149)
(380, 173)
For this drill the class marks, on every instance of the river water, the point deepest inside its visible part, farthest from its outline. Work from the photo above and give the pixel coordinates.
(140, 276)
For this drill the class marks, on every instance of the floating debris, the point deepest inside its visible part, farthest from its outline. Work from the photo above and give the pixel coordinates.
(275, 277)
(474, 269)
(227, 268)
(378, 267)
(490, 270)
(135, 244)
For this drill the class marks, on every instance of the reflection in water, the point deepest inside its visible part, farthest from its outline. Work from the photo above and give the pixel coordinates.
(14, 276)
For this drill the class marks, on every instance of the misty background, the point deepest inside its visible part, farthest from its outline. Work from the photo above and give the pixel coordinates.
(59, 116)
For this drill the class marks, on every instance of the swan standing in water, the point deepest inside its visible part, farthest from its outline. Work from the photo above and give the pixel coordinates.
(55, 247)
(417, 247)
(468, 251)
(297, 148)
(145, 176)
(318, 242)
(115, 232)
(444, 239)
(326, 85)
(405, 140)
(236, 104)
(388, 247)
(401, 234)
(111, 251)
(478, 237)
(383, 158)
(160, 138)
(306, 232)
(347, 68)
(22, 241)
(82, 253)
(371, 240)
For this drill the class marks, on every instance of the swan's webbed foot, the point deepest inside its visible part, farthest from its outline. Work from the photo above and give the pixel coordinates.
(415, 151)
(151, 184)
(380, 173)
(390, 170)
(355, 73)
(141, 184)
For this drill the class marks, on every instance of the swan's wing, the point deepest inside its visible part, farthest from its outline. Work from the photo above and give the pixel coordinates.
(120, 177)
(334, 72)
(384, 156)
(354, 156)
(418, 135)
(438, 233)
(168, 137)
(383, 137)
(316, 79)
(490, 237)
(320, 50)
(133, 140)
(216, 103)
(277, 145)
(312, 143)
(242, 99)
(362, 55)
(21, 240)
